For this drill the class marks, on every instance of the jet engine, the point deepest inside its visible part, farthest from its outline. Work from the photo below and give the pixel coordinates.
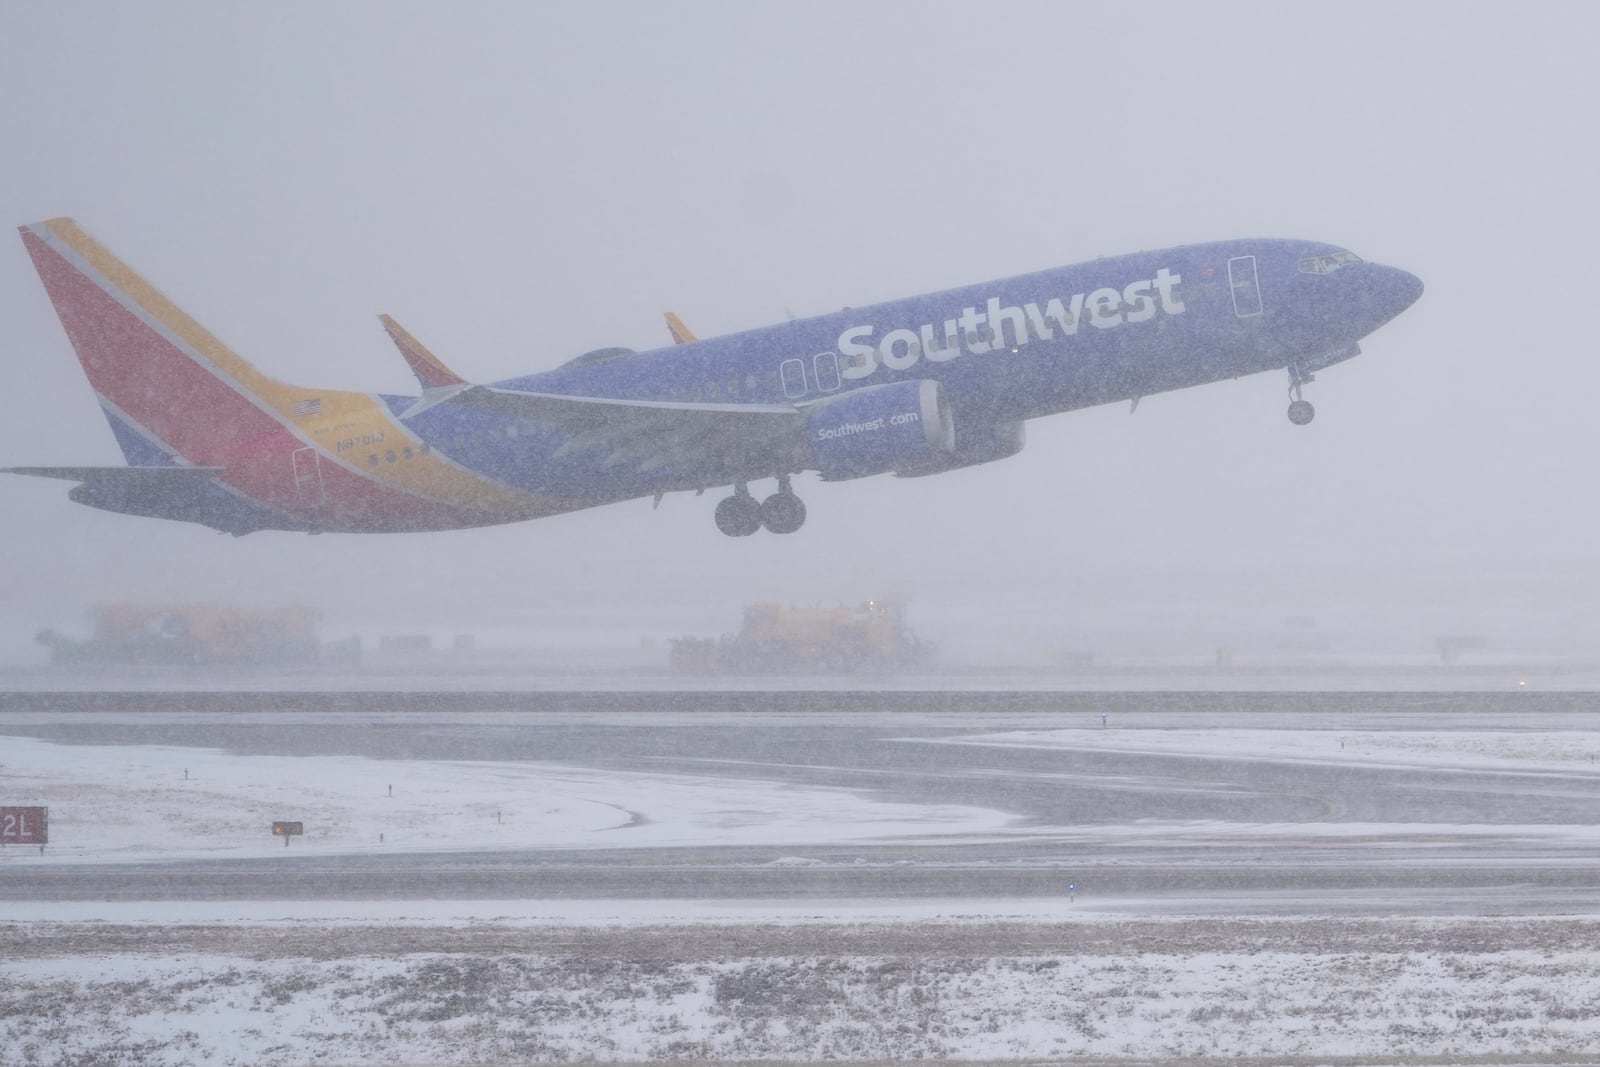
(880, 428)
(976, 442)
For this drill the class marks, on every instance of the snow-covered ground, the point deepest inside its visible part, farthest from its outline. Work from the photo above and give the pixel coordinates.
(420, 981)
(282, 993)
(145, 802)
(141, 802)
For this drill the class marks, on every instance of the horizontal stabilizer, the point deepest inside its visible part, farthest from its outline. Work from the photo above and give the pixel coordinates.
(185, 494)
(124, 475)
(430, 372)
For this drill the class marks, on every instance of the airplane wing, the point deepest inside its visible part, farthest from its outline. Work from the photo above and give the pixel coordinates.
(142, 477)
(430, 369)
(439, 383)
(655, 433)
(647, 434)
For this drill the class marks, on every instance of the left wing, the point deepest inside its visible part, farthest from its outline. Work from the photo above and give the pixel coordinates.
(655, 433)
(646, 434)
(430, 369)
(439, 383)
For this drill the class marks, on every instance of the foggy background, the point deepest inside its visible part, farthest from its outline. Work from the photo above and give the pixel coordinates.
(521, 183)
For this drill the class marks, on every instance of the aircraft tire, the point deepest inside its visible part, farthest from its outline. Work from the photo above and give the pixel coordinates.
(739, 515)
(783, 513)
(1301, 412)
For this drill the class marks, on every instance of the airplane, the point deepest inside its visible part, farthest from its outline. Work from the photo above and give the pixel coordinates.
(911, 387)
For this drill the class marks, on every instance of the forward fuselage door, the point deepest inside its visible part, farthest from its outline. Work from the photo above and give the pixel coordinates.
(1245, 285)
(793, 373)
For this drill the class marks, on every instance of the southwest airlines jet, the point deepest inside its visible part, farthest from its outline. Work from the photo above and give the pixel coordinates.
(912, 387)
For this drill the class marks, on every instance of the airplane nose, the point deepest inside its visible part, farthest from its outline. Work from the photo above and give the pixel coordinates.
(1404, 286)
(1384, 292)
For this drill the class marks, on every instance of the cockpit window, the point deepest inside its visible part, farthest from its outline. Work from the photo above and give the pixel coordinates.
(1329, 263)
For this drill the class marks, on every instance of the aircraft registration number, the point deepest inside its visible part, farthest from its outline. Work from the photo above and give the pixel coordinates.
(358, 441)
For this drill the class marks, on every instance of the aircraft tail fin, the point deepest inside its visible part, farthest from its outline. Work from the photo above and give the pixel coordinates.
(430, 371)
(681, 334)
(172, 391)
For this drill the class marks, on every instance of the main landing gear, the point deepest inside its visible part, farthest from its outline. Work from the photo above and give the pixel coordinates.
(1300, 410)
(782, 513)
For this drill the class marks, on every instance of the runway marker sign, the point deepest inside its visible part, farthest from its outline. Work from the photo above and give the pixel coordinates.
(24, 826)
(287, 830)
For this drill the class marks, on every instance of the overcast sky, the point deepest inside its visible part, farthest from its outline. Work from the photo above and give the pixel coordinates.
(520, 183)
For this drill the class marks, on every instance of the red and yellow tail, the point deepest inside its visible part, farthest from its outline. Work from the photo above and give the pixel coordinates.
(165, 381)
(177, 396)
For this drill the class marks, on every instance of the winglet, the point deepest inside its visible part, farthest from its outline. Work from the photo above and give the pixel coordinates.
(681, 334)
(424, 364)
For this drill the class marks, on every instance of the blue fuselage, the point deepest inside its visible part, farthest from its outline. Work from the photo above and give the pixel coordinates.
(1113, 329)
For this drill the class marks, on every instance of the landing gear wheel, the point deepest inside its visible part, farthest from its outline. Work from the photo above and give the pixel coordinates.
(739, 515)
(783, 512)
(1300, 410)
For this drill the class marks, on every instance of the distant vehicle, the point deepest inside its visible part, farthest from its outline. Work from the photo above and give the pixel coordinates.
(176, 635)
(775, 639)
(913, 387)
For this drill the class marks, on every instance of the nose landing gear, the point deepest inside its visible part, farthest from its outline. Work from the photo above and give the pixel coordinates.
(782, 513)
(1300, 409)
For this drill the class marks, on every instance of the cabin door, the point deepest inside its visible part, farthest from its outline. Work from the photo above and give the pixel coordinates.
(793, 372)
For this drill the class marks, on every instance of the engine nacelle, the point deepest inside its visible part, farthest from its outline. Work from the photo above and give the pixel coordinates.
(976, 442)
(898, 425)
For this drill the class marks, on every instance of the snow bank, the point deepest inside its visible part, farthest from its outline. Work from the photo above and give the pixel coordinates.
(1165, 992)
